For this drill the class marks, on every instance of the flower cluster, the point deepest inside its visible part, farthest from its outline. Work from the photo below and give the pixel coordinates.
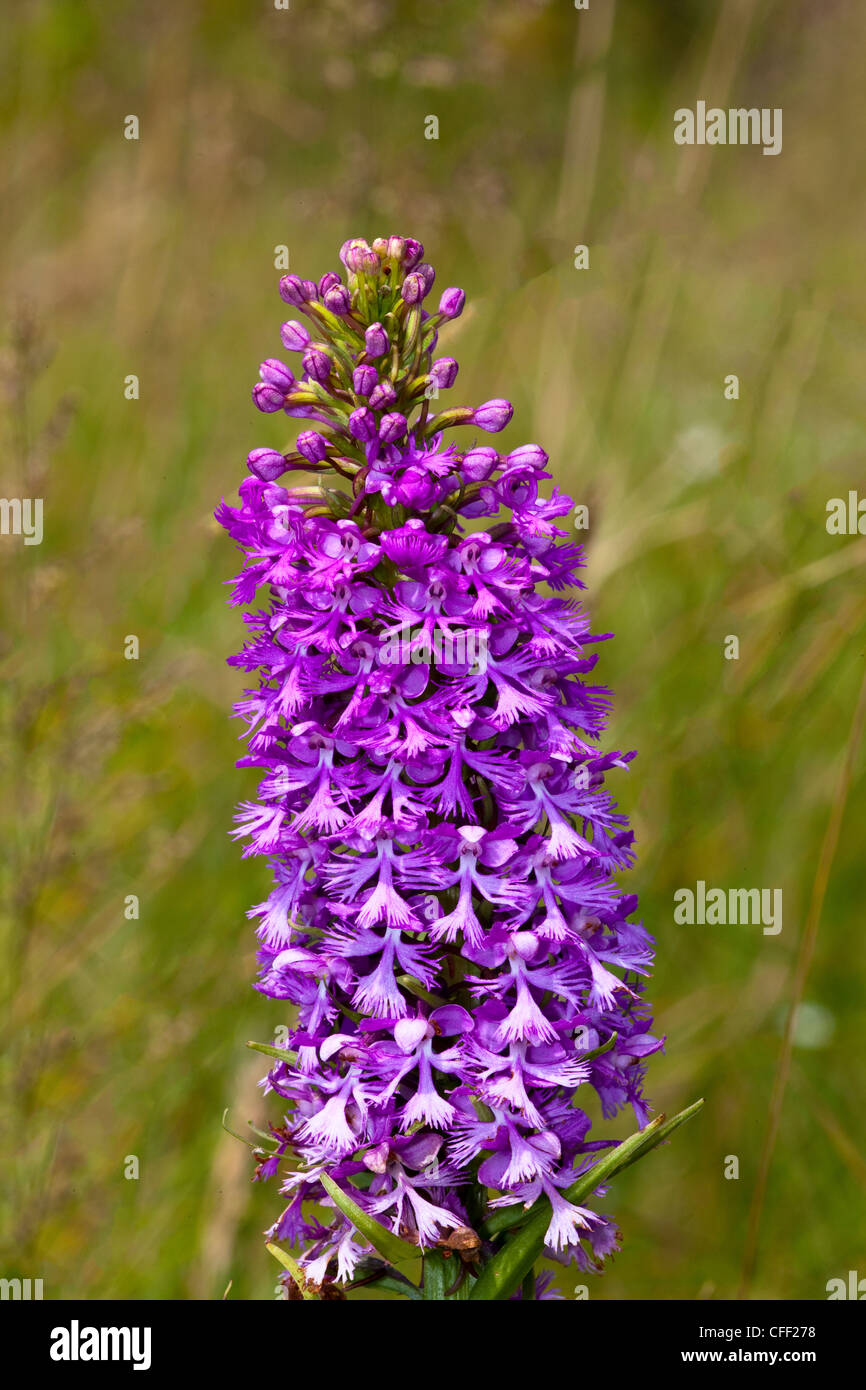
(445, 919)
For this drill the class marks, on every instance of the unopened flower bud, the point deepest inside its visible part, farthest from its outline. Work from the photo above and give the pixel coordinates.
(317, 363)
(392, 427)
(444, 372)
(413, 253)
(276, 373)
(413, 289)
(338, 300)
(376, 340)
(364, 380)
(527, 456)
(312, 446)
(493, 416)
(362, 424)
(451, 303)
(359, 257)
(266, 464)
(382, 396)
(268, 398)
(479, 463)
(328, 281)
(294, 335)
(296, 291)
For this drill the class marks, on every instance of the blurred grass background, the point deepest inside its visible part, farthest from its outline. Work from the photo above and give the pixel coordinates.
(707, 518)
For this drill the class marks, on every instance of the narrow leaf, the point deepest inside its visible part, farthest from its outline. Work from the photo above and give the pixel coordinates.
(501, 1276)
(393, 1283)
(306, 1288)
(597, 1051)
(282, 1052)
(390, 1246)
(652, 1141)
(405, 1288)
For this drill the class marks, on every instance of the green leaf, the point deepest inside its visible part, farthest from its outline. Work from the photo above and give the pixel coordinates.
(391, 1247)
(658, 1136)
(403, 1287)
(306, 1288)
(597, 1051)
(392, 1281)
(284, 1054)
(510, 1265)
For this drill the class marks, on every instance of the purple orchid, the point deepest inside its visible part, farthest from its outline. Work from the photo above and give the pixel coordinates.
(444, 921)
